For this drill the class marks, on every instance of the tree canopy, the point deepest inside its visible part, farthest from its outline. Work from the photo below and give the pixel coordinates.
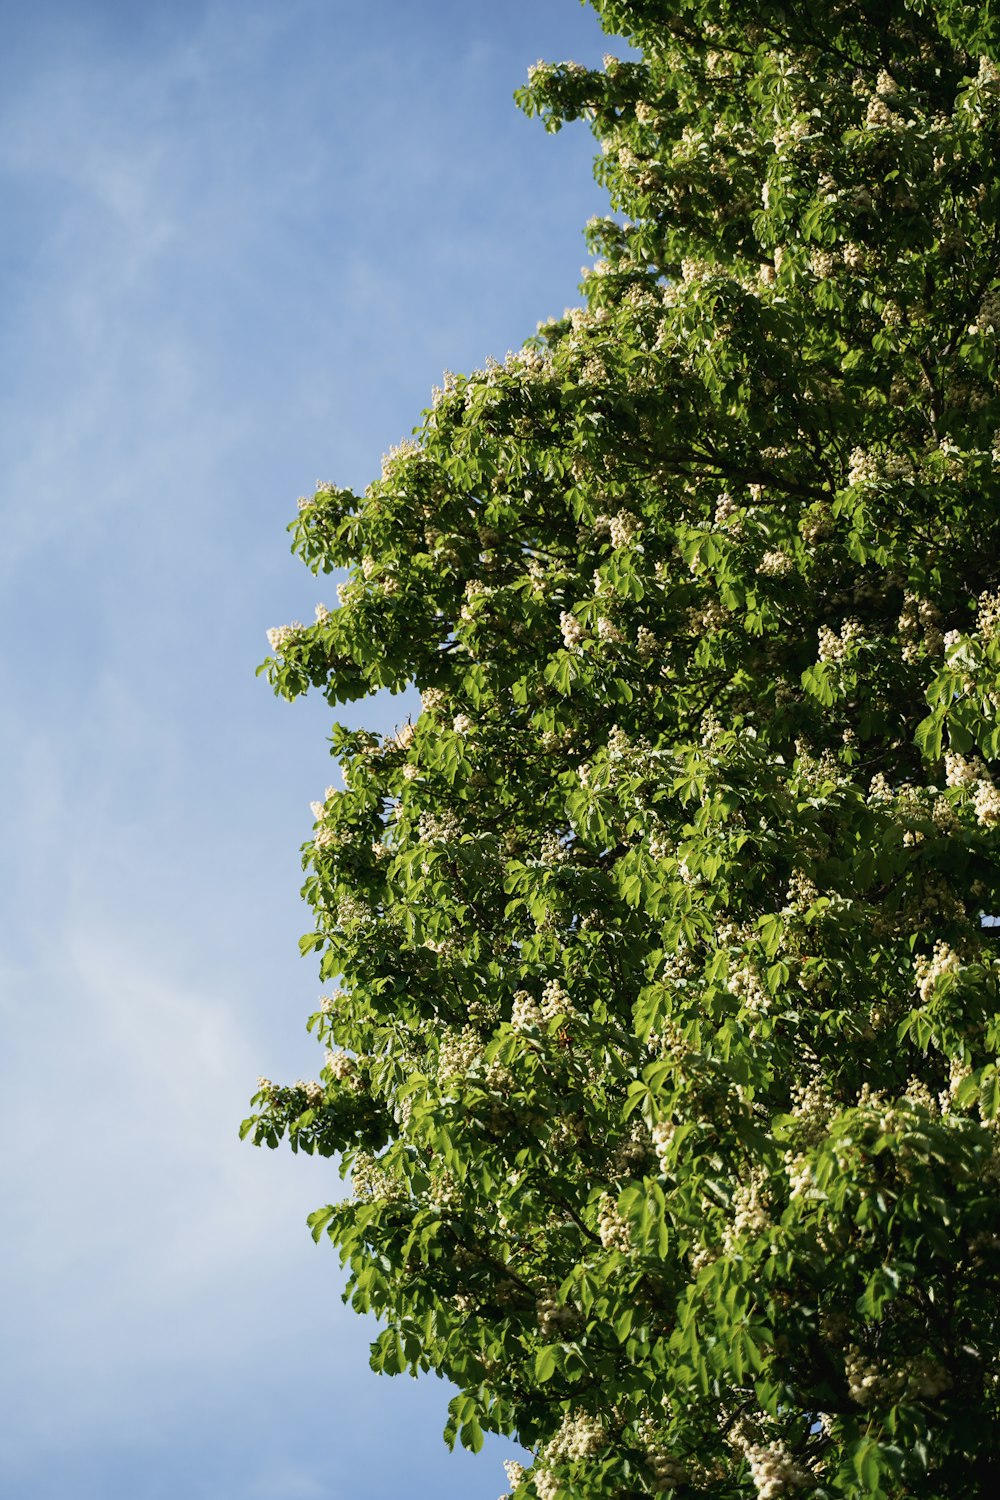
(664, 1057)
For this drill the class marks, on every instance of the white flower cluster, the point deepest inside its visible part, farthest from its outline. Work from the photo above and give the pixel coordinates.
(661, 846)
(572, 629)
(750, 1215)
(703, 618)
(546, 1484)
(939, 900)
(668, 1473)
(567, 1133)
(960, 772)
(988, 609)
(954, 459)
(318, 809)
(988, 318)
(670, 1041)
(350, 912)
(624, 528)
(371, 1183)
(725, 508)
(403, 737)
(943, 964)
(987, 804)
(834, 647)
(749, 990)
(812, 1109)
(555, 1001)
(462, 724)
(880, 793)
(474, 589)
(958, 1072)
(798, 1170)
(533, 364)
(445, 1192)
(458, 1054)
(399, 454)
(775, 564)
(553, 1317)
(447, 388)
(525, 1014)
(663, 1135)
(865, 468)
(920, 618)
(917, 1092)
(815, 770)
(611, 1227)
(581, 1434)
(868, 1382)
(879, 116)
(327, 838)
(694, 270)
(552, 850)
(801, 893)
(439, 828)
(702, 1256)
(431, 700)
(608, 632)
(280, 636)
(594, 371)
(928, 1378)
(667, 1470)
(646, 644)
(342, 1066)
(773, 1470)
(631, 1153)
(314, 1092)
(515, 1472)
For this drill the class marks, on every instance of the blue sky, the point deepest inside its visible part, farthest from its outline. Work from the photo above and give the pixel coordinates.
(242, 239)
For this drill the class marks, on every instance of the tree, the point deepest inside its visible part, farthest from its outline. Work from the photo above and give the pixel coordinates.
(665, 1060)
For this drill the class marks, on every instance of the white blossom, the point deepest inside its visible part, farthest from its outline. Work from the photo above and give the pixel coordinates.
(514, 1471)
(280, 636)
(663, 1135)
(371, 1182)
(546, 1484)
(942, 965)
(572, 629)
(580, 1435)
(525, 1013)
(611, 1227)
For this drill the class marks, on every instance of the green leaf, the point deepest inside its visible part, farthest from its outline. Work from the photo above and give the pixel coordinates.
(472, 1435)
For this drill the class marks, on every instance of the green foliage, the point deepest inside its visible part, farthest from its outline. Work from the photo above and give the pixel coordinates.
(665, 1058)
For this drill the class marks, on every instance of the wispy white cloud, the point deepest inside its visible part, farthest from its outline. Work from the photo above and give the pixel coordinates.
(243, 240)
(140, 1230)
